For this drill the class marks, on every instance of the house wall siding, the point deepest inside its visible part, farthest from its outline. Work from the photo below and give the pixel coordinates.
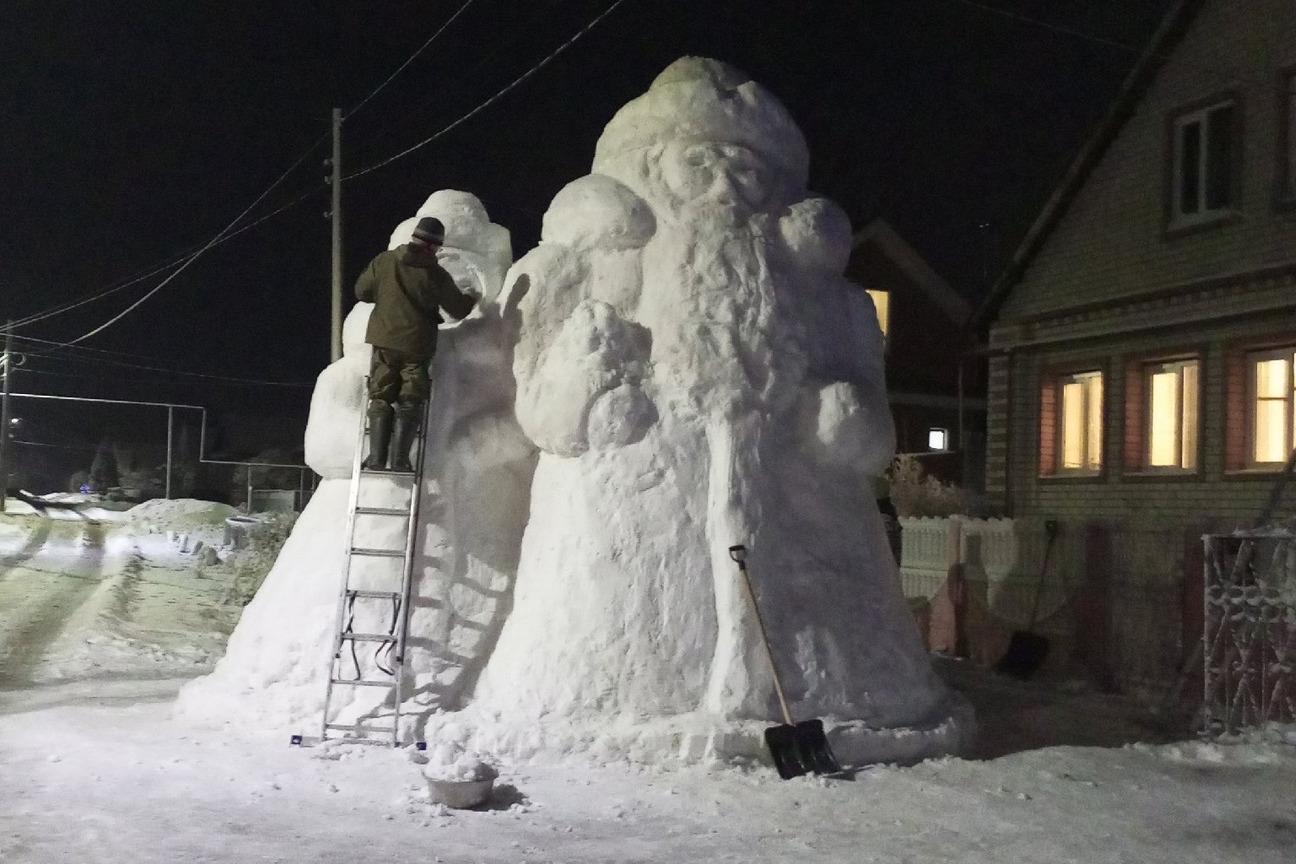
(1110, 286)
(1111, 242)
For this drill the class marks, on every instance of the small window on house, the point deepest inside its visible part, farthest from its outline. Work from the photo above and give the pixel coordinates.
(1203, 164)
(1172, 417)
(1273, 406)
(937, 438)
(882, 303)
(1079, 422)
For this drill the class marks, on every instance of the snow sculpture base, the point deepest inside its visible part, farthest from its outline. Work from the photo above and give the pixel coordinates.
(690, 739)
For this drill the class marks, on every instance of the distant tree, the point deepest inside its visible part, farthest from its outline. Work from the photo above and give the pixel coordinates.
(103, 470)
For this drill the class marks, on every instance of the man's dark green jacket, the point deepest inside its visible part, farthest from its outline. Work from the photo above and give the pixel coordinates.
(409, 289)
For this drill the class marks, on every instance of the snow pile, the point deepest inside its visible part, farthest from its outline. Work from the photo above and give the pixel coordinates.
(178, 513)
(447, 762)
(678, 367)
(163, 530)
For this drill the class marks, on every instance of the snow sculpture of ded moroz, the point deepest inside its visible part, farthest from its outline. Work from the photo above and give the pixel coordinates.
(696, 373)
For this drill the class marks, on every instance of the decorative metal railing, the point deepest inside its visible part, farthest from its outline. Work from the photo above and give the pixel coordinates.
(1249, 639)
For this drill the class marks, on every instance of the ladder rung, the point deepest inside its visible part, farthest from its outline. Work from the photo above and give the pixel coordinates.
(381, 511)
(359, 727)
(380, 553)
(361, 682)
(385, 473)
(368, 637)
(373, 595)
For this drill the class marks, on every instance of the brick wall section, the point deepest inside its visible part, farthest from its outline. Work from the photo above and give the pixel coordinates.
(1111, 241)
(1132, 440)
(1217, 494)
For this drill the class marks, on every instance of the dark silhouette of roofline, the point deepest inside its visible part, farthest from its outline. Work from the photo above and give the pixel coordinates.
(1163, 41)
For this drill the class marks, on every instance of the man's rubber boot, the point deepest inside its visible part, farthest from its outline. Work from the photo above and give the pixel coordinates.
(380, 430)
(407, 417)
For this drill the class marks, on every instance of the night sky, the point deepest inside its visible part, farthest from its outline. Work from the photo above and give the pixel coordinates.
(134, 131)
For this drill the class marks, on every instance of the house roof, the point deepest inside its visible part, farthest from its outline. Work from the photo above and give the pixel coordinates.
(1167, 36)
(909, 262)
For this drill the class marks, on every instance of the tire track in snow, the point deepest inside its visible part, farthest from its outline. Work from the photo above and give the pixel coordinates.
(51, 601)
(10, 563)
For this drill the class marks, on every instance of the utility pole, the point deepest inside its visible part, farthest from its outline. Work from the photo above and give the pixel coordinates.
(4, 415)
(335, 211)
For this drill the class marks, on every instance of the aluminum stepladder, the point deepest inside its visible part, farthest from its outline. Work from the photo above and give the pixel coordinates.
(400, 597)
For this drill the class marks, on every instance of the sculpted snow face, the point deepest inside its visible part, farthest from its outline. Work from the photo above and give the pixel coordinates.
(697, 373)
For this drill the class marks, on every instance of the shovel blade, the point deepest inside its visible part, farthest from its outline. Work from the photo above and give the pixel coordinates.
(801, 749)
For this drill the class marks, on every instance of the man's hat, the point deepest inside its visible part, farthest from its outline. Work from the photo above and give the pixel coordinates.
(430, 230)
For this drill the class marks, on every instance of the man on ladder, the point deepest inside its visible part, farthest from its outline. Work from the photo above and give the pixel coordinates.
(409, 290)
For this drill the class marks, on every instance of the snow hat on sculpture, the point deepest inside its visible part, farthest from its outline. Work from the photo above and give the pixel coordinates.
(696, 372)
(476, 251)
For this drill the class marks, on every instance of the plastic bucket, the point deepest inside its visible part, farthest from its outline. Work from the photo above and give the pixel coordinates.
(461, 794)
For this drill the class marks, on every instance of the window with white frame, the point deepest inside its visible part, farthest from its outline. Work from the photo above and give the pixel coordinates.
(1079, 422)
(1202, 178)
(1171, 414)
(1273, 406)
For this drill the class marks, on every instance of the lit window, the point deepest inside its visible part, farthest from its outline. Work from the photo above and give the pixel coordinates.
(937, 438)
(1273, 409)
(1203, 164)
(882, 303)
(1080, 422)
(1172, 417)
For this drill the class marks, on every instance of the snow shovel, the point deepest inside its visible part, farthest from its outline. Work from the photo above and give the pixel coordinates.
(797, 748)
(1027, 650)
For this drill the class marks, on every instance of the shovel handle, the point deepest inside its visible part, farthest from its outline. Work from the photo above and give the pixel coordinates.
(739, 554)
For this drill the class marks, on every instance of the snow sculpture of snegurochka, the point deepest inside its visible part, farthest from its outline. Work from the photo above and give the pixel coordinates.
(681, 367)
(477, 472)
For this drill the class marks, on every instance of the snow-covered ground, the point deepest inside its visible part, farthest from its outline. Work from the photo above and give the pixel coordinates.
(118, 783)
(90, 592)
(95, 770)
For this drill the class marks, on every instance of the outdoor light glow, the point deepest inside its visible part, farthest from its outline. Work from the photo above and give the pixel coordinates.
(937, 438)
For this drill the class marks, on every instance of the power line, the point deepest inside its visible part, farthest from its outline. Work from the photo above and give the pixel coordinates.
(492, 100)
(228, 379)
(216, 241)
(219, 236)
(1048, 25)
(67, 307)
(1221, 73)
(161, 266)
(83, 349)
(409, 60)
(507, 43)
